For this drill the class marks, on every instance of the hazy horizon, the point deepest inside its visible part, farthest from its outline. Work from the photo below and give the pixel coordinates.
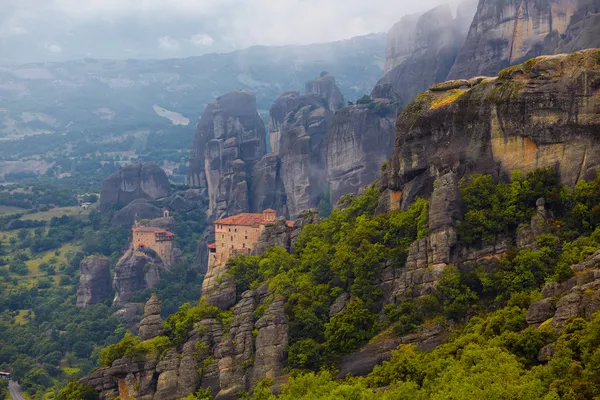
(60, 30)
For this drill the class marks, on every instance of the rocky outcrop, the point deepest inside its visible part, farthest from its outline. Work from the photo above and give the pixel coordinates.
(136, 271)
(359, 141)
(578, 297)
(271, 342)
(422, 50)
(187, 200)
(229, 141)
(140, 208)
(325, 87)
(540, 223)
(218, 288)
(306, 217)
(505, 33)
(276, 234)
(227, 363)
(94, 281)
(428, 257)
(492, 126)
(151, 325)
(379, 350)
(135, 181)
(237, 350)
(540, 114)
(124, 379)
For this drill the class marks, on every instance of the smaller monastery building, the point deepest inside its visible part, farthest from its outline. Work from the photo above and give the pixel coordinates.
(239, 234)
(156, 239)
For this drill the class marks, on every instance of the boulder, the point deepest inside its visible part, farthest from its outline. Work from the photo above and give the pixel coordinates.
(94, 281)
(359, 141)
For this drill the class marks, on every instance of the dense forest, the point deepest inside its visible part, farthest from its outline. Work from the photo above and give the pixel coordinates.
(45, 339)
(491, 353)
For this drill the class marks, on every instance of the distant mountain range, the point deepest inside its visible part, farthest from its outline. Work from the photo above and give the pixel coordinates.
(115, 97)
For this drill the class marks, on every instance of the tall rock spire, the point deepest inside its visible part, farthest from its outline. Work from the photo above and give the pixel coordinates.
(152, 324)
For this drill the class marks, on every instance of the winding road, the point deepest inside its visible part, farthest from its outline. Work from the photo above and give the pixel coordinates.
(15, 391)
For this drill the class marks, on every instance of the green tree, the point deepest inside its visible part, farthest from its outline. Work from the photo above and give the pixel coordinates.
(77, 391)
(350, 329)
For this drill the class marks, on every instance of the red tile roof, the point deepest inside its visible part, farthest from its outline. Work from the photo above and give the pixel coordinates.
(212, 246)
(245, 219)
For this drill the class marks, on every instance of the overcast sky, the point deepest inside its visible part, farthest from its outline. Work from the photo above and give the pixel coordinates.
(42, 30)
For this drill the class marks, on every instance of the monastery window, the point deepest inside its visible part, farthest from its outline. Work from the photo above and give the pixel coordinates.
(229, 229)
(232, 246)
(246, 237)
(232, 239)
(235, 230)
(244, 245)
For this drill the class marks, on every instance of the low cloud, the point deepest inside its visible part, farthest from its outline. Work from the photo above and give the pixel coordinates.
(202, 39)
(54, 48)
(167, 43)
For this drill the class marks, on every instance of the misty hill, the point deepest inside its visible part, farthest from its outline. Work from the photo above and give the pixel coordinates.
(121, 103)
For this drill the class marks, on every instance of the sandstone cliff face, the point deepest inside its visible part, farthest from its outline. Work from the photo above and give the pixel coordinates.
(94, 281)
(422, 50)
(267, 189)
(230, 139)
(359, 141)
(541, 114)
(283, 105)
(135, 181)
(493, 126)
(299, 126)
(583, 31)
(400, 42)
(302, 154)
(504, 33)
